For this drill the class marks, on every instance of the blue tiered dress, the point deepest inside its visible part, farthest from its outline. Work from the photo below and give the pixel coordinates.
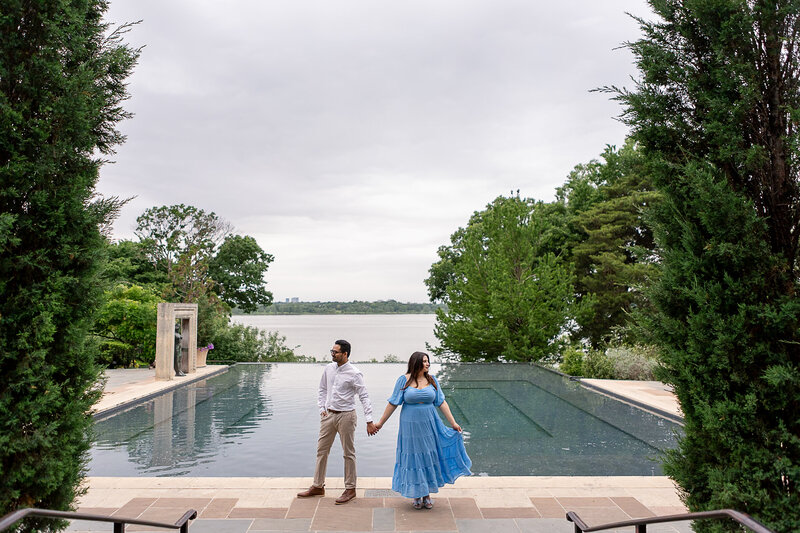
(429, 454)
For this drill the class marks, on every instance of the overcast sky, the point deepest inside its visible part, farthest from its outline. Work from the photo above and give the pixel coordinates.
(352, 138)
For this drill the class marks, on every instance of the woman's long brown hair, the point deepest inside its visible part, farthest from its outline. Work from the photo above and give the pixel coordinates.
(415, 363)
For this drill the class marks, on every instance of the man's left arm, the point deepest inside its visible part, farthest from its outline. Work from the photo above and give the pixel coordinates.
(363, 395)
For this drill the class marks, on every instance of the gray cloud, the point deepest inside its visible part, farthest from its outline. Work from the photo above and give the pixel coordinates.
(362, 129)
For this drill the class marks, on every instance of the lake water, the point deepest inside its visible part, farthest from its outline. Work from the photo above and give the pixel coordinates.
(372, 336)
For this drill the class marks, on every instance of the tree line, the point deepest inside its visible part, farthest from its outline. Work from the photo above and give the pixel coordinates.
(356, 307)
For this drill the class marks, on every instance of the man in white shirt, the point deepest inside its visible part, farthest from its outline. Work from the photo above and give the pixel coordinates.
(341, 382)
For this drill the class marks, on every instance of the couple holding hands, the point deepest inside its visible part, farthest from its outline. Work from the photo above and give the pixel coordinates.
(429, 454)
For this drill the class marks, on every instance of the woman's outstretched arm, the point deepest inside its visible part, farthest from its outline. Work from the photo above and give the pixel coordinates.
(449, 416)
(386, 414)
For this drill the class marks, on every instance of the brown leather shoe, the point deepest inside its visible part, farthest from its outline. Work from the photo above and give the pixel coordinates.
(346, 496)
(312, 491)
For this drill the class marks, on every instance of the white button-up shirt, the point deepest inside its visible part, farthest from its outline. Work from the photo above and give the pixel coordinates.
(338, 389)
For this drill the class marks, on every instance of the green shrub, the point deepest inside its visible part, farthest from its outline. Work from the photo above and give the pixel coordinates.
(572, 362)
(597, 365)
(633, 362)
(237, 342)
(126, 327)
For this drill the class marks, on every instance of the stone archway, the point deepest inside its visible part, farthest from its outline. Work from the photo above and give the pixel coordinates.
(168, 313)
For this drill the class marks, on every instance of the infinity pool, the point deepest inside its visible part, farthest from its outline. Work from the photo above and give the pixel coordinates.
(262, 420)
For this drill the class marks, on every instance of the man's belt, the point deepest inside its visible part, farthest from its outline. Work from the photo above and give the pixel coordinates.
(337, 412)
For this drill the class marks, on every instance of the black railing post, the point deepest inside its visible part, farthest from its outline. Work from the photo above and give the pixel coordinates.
(119, 527)
(641, 528)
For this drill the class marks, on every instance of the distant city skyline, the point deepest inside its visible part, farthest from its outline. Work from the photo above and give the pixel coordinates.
(352, 138)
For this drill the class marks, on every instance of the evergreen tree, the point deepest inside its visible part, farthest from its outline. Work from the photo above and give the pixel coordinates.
(508, 294)
(717, 113)
(61, 88)
(611, 247)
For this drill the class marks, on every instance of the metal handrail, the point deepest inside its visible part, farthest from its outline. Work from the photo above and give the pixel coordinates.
(641, 523)
(119, 522)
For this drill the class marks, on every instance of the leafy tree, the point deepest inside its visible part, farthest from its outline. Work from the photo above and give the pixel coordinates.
(61, 88)
(180, 241)
(508, 295)
(717, 113)
(128, 263)
(238, 269)
(612, 248)
(169, 233)
(126, 326)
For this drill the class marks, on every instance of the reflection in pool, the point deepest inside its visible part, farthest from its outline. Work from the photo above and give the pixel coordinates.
(262, 420)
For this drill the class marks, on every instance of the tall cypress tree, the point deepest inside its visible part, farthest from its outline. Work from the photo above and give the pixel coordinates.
(61, 87)
(717, 111)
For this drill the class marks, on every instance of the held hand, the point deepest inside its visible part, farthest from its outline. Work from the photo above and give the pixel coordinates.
(457, 428)
(372, 429)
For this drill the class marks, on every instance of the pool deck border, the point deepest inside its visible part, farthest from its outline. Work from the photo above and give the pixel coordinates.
(120, 393)
(504, 504)
(666, 407)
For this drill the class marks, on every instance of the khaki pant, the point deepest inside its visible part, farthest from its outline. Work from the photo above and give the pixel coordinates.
(345, 425)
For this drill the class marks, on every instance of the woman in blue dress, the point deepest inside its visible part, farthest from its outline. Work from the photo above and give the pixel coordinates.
(429, 454)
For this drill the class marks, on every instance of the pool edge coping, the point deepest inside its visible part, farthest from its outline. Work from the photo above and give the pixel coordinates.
(630, 401)
(114, 409)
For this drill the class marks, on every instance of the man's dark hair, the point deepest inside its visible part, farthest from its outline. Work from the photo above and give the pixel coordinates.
(344, 346)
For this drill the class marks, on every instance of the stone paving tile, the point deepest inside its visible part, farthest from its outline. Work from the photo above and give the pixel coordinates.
(383, 519)
(219, 526)
(680, 527)
(545, 525)
(439, 518)
(464, 508)
(666, 511)
(594, 516)
(88, 525)
(510, 512)
(500, 525)
(277, 524)
(302, 508)
(198, 504)
(338, 518)
(569, 502)
(218, 508)
(549, 507)
(362, 503)
(397, 503)
(632, 507)
(158, 514)
(108, 511)
(135, 507)
(257, 512)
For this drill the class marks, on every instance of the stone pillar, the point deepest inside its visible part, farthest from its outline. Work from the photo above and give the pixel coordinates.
(165, 342)
(165, 339)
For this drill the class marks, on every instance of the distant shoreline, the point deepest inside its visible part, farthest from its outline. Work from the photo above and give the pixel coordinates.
(384, 307)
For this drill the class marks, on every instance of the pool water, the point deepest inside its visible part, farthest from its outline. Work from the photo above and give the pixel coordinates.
(263, 420)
